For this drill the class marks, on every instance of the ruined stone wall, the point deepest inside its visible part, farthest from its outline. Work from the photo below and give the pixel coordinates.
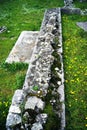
(44, 81)
(44, 77)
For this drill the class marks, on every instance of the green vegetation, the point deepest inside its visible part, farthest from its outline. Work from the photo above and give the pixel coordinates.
(14, 66)
(82, 5)
(52, 108)
(52, 123)
(75, 67)
(35, 88)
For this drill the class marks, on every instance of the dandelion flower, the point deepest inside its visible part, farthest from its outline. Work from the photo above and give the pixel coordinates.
(86, 118)
(86, 125)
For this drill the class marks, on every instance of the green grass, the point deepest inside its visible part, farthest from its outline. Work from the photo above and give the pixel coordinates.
(82, 5)
(75, 67)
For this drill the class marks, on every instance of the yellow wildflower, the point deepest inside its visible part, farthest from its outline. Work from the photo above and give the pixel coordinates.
(72, 92)
(69, 105)
(86, 118)
(76, 99)
(86, 125)
(81, 100)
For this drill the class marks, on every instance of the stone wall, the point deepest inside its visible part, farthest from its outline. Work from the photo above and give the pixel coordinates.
(44, 81)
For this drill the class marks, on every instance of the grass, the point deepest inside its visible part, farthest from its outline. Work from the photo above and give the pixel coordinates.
(82, 5)
(53, 122)
(75, 67)
(17, 16)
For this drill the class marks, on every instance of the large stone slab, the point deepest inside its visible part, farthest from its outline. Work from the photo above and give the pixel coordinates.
(23, 48)
(82, 25)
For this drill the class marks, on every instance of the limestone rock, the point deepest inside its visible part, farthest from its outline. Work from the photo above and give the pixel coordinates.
(18, 97)
(33, 102)
(37, 126)
(42, 118)
(61, 92)
(15, 109)
(13, 119)
(82, 25)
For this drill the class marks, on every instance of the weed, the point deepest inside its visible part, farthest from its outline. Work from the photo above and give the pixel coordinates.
(20, 80)
(82, 5)
(35, 88)
(53, 122)
(4, 106)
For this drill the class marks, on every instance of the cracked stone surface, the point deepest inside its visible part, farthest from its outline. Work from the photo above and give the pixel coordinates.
(23, 48)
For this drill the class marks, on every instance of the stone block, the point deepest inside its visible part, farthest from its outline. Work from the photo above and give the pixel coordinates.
(18, 97)
(33, 102)
(13, 119)
(23, 48)
(71, 10)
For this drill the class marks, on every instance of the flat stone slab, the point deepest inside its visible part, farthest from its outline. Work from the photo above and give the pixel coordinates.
(23, 48)
(82, 25)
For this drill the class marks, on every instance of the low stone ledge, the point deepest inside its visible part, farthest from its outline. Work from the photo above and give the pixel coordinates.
(82, 25)
(67, 10)
(23, 48)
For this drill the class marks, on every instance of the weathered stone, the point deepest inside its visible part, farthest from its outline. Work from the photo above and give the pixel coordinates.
(61, 92)
(23, 48)
(84, 12)
(59, 82)
(60, 50)
(68, 3)
(33, 102)
(13, 119)
(42, 118)
(37, 126)
(71, 10)
(3, 29)
(15, 109)
(82, 25)
(18, 97)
